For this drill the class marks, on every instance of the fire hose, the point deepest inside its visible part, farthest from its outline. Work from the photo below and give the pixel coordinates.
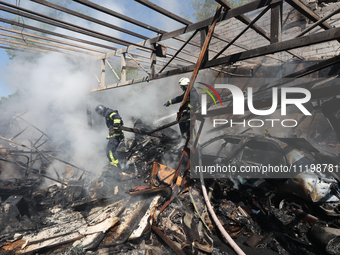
(236, 248)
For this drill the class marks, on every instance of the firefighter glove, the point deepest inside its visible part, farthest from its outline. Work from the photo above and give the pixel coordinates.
(111, 131)
(167, 104)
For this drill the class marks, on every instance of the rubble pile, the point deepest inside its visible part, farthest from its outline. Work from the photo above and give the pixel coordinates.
(155, 203)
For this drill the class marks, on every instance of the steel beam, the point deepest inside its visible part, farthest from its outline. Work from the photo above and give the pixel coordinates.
(27, 46)
(46, 43)
(302, 8)
(318, 22)
(118, 15)
(50, 39)
(14, 23)
(60, 23)
(276, 23)
(201, 24)
(320, 37)
(245, 20)
(83, 16)
(242, 32)
(163, 11)
(179, 50)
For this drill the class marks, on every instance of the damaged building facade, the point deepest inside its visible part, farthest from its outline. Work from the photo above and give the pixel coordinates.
(246, 183)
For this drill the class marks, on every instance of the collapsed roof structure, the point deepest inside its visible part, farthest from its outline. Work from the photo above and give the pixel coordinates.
(261, 44)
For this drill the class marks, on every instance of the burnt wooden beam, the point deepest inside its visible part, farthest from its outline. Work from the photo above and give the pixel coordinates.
(329, 109)
(276, 23)
(320, 37)
(178, 51)
(163, 11)
(199, 60)
(123, 67)
(245, 20)
(318, 22)
(153, 59)
(305, 10)
(102, 73)
(301, 73)
(328, 35)
(83, 16)
(242, 32)
(16, 10)
(204, 32)
(44, 154)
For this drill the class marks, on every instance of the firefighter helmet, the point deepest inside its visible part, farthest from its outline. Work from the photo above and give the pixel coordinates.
(184, 81)
(100, 109)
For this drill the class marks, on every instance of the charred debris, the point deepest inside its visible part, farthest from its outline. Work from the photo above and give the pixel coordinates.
(156, 204)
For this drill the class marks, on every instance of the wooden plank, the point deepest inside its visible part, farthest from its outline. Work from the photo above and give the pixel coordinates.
(100, 227)
(199, 61)
(83, 16)
(50, 243)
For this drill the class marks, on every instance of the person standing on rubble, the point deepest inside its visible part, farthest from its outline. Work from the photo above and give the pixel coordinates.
(116, 135)
(190, 105)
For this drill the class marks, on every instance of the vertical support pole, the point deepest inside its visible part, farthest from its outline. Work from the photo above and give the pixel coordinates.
(153, 61)
(276, 23)
(123, 67)
(102, 73)
(89, 115)
(204, 31)
(328, 109)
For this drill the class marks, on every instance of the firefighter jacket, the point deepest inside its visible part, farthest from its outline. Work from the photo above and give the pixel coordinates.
(192, 100)
(113, 122)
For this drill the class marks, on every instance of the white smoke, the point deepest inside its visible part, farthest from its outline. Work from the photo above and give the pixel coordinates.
(55, 88)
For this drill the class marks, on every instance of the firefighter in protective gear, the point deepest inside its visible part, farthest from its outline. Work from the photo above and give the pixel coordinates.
(190, 105)
(113, 122)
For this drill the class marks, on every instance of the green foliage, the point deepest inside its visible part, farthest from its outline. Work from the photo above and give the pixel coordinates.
(204, 9)
(11, 98)
(130, 73)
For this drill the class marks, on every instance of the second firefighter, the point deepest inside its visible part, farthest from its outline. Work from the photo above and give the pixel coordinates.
(116, 135)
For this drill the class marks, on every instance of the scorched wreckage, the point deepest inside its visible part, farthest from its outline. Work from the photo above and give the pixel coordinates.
(198, 181)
